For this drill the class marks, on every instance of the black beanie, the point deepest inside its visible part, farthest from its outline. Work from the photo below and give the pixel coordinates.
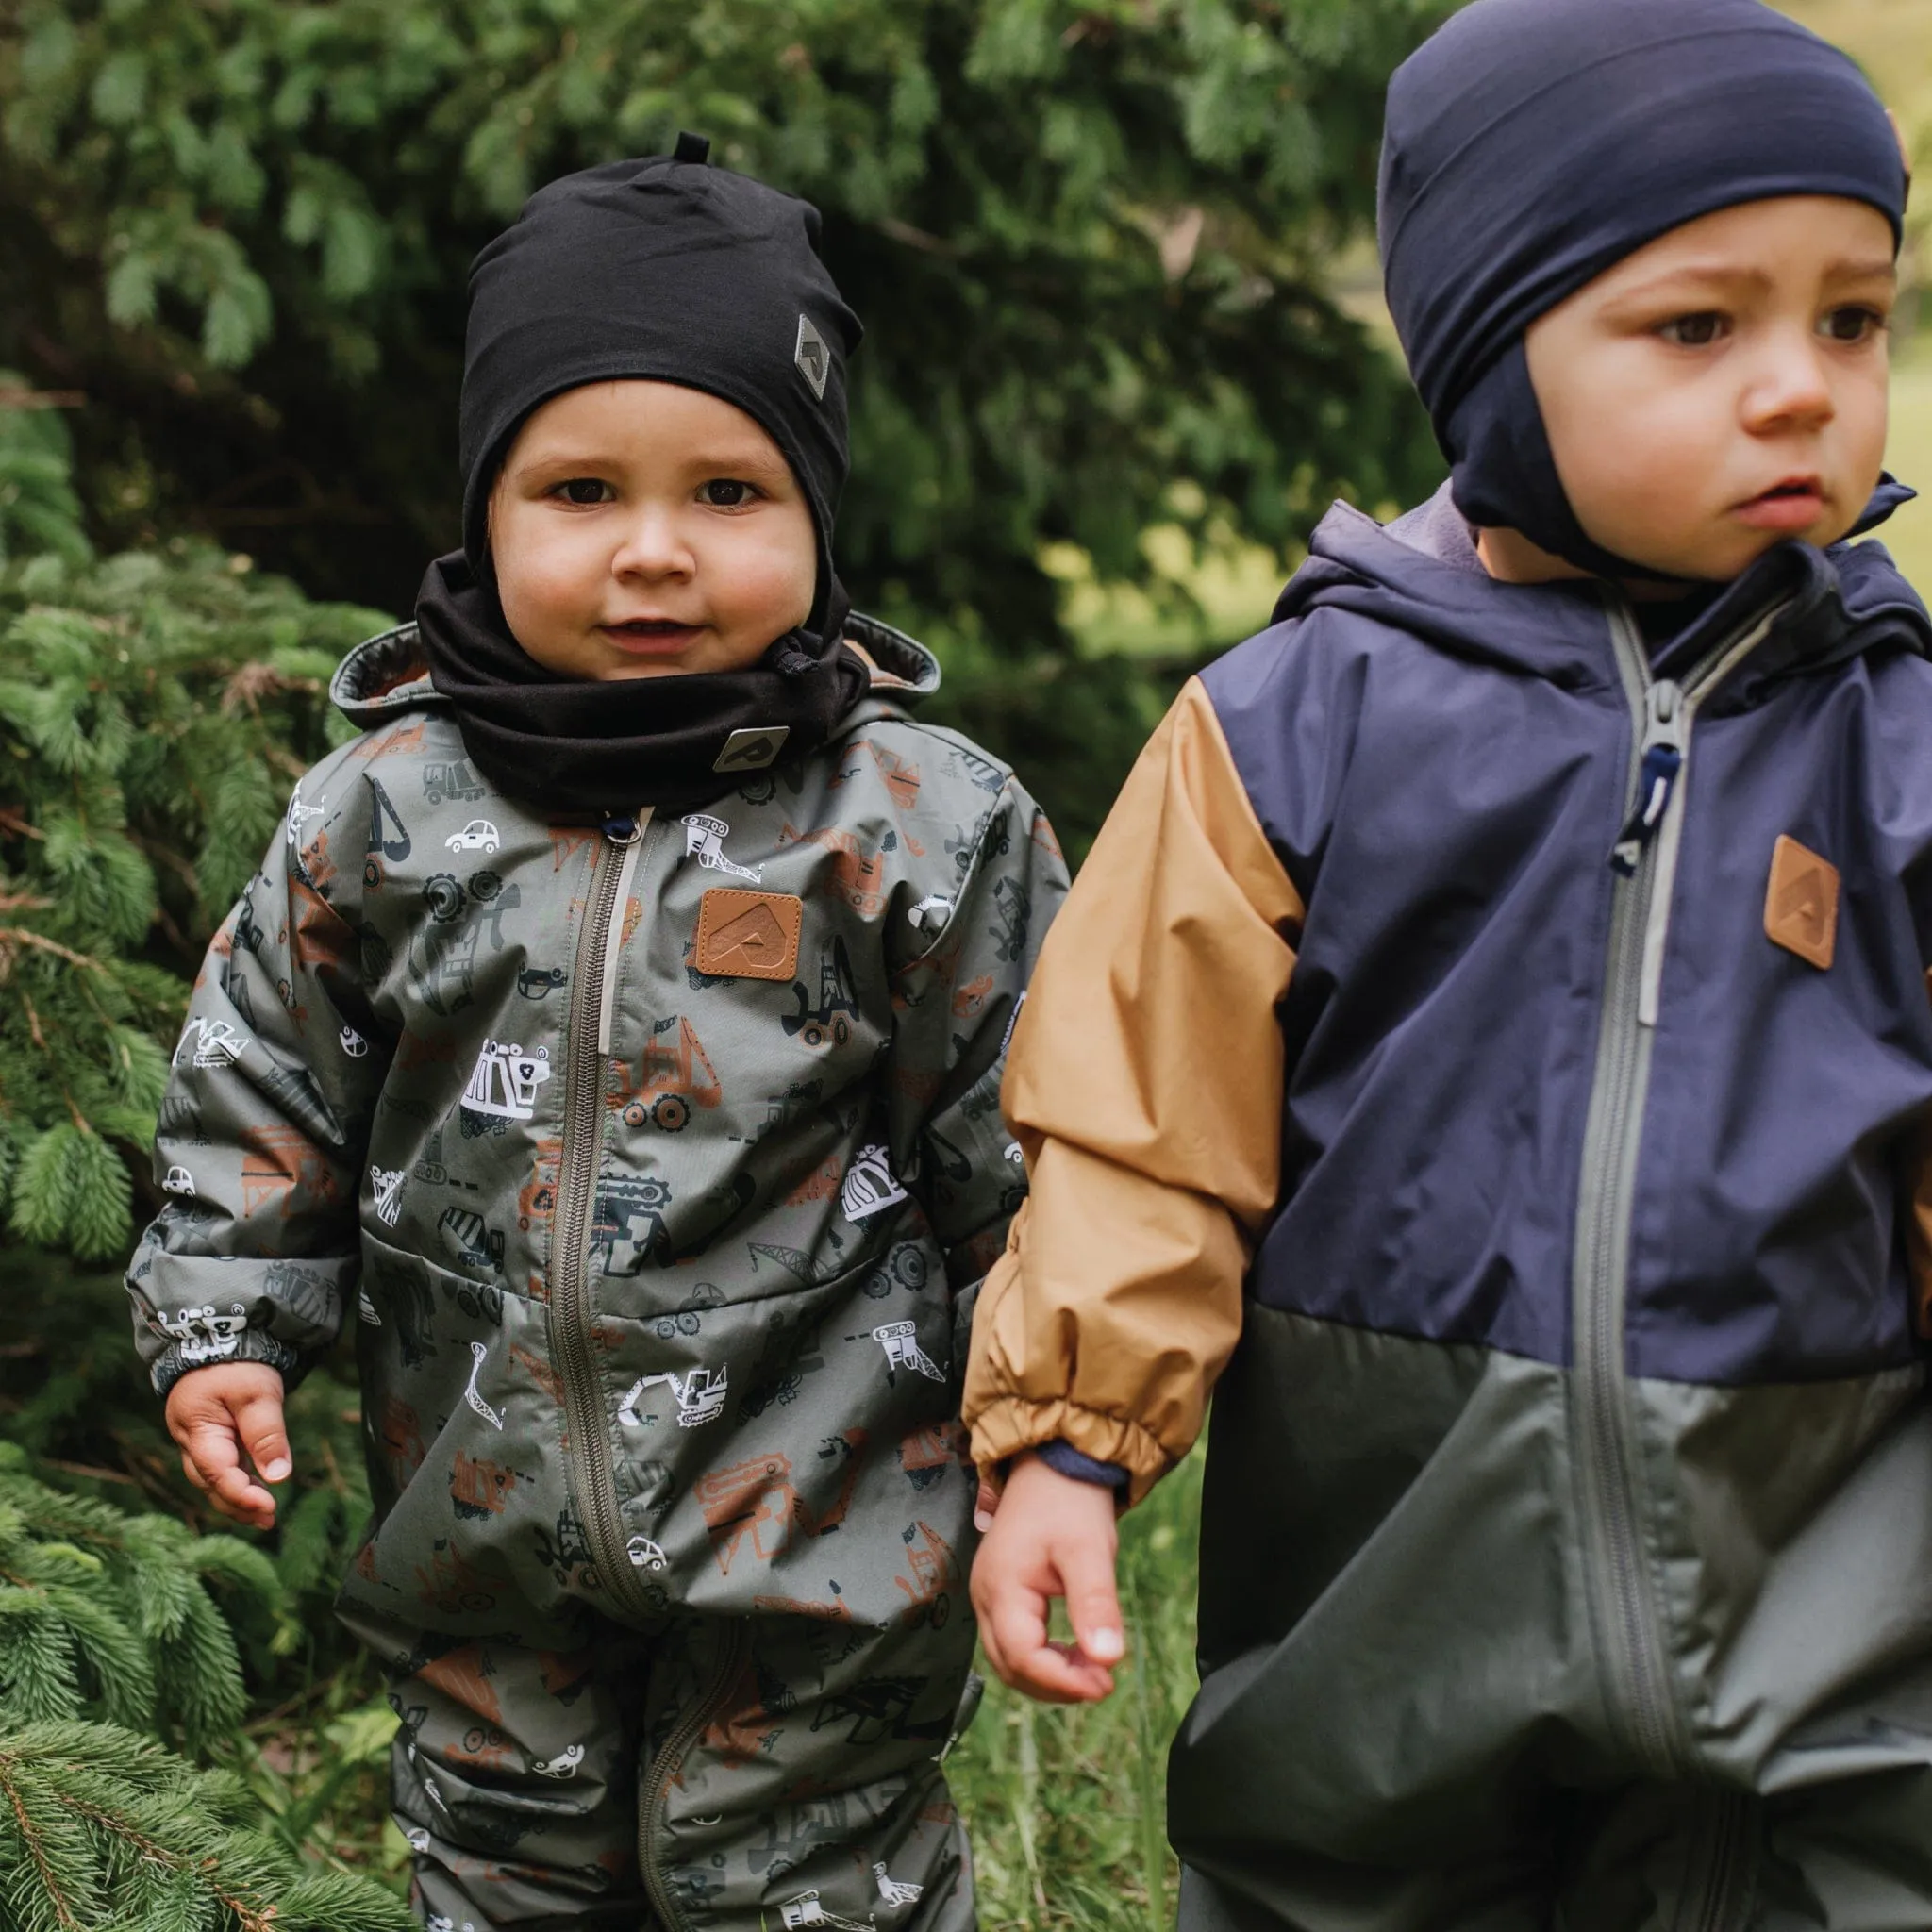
(668, 268)
(1531, 145)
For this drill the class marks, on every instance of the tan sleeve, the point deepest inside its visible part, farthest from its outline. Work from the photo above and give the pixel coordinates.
(1919, 1233)
(1144, 1084)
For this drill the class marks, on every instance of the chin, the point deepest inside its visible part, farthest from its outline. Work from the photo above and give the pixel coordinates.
(1721, 556)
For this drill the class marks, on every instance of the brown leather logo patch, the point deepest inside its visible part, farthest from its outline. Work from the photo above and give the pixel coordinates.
(1801, 907)
(749, 935)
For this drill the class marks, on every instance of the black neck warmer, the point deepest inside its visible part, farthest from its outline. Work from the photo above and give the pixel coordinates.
(674, 743)
(1531, 145)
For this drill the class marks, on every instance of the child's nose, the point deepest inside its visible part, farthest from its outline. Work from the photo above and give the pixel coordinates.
(1789, 383)
(653, 544)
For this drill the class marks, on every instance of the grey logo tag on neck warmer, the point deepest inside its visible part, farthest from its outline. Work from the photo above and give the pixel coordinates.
(814, 358)
(753, 749)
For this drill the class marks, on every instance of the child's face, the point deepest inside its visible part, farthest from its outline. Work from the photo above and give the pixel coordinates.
(643, 529)
(1724, 389)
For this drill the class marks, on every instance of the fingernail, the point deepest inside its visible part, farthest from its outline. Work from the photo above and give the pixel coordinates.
(1106, 1647)
(982, 1521)
(277, 1470)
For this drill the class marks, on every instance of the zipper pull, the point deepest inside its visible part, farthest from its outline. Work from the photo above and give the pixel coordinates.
(623, 828)
(1662, 760)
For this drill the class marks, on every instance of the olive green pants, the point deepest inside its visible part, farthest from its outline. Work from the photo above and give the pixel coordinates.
(778, 1771)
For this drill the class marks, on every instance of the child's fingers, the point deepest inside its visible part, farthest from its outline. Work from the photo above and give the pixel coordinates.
(265, 1437)
(1012, 1624)
(1093, 1601)
(211, 1455)
(1013, 1630)
(213, 1413)
(210, 1449)
(1060, 1674)
(985, 1507)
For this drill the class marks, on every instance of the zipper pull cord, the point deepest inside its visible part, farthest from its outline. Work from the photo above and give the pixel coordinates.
(1662, 760)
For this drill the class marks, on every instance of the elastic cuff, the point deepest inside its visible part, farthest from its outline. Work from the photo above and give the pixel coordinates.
(1008, 1424)
(251, 1345)
(1064, 1459)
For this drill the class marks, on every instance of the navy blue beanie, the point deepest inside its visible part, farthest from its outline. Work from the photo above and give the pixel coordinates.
(1531, 145)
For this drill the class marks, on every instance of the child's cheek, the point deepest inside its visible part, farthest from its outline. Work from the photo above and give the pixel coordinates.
(762, 586)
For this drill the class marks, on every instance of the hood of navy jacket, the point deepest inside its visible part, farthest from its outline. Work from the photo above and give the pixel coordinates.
(1421, 575)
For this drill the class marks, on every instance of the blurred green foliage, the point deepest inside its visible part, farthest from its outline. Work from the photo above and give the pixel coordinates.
(1087, 239)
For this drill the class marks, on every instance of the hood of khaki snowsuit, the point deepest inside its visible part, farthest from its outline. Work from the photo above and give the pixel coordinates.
(656, 1161)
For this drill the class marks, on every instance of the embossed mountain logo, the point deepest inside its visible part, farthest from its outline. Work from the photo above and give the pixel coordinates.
(749, 935)
(1801, 903)
(752, 750)
(813, 357)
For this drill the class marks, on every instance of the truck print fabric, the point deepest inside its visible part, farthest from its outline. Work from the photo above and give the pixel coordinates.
(661, 1272)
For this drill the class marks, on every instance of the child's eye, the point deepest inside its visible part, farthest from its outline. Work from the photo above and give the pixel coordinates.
(1854, 322)
(585, 491)
(727, 493)
(1695, 332)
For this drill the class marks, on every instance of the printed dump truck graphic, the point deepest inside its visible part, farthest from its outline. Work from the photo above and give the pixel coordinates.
(900, 1340)
(469, 1238)
(869, 1187)
(453, 780)
(704, 840)
(505, 1080)
(216, 1043)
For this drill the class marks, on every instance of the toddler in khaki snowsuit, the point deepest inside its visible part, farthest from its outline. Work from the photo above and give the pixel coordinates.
(614, 1034)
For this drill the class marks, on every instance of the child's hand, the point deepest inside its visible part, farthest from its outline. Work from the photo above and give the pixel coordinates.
(1052, 1536)
(215, 1413)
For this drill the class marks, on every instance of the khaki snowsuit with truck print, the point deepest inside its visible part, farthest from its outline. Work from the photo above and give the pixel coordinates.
(658, 1162)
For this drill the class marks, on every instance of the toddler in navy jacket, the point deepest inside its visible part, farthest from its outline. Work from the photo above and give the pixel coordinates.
(1491, 1037)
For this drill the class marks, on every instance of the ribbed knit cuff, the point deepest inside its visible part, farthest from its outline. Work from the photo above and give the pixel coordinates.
(1064, 1459)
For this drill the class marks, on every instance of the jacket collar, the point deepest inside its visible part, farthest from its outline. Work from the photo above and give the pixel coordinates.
(1422, 575)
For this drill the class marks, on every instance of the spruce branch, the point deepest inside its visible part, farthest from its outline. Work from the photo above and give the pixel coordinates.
(153, 708)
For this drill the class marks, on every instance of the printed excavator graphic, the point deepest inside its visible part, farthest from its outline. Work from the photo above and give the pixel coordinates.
(672, 1079)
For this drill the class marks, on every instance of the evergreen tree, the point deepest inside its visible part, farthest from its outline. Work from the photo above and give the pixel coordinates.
(109, 1635)
(154, 710)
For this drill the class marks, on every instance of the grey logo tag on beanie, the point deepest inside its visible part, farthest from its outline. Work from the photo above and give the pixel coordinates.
(753, 749)
(814, 358)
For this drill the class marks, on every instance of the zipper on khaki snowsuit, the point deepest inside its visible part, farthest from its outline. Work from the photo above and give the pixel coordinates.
(592, 1008)
(586, 1424)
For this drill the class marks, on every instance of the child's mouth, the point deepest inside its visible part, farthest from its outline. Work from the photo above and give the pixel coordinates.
(1795, 504)
(651, 637)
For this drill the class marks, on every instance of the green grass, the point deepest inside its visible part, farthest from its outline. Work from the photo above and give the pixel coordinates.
(1067, 1804)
